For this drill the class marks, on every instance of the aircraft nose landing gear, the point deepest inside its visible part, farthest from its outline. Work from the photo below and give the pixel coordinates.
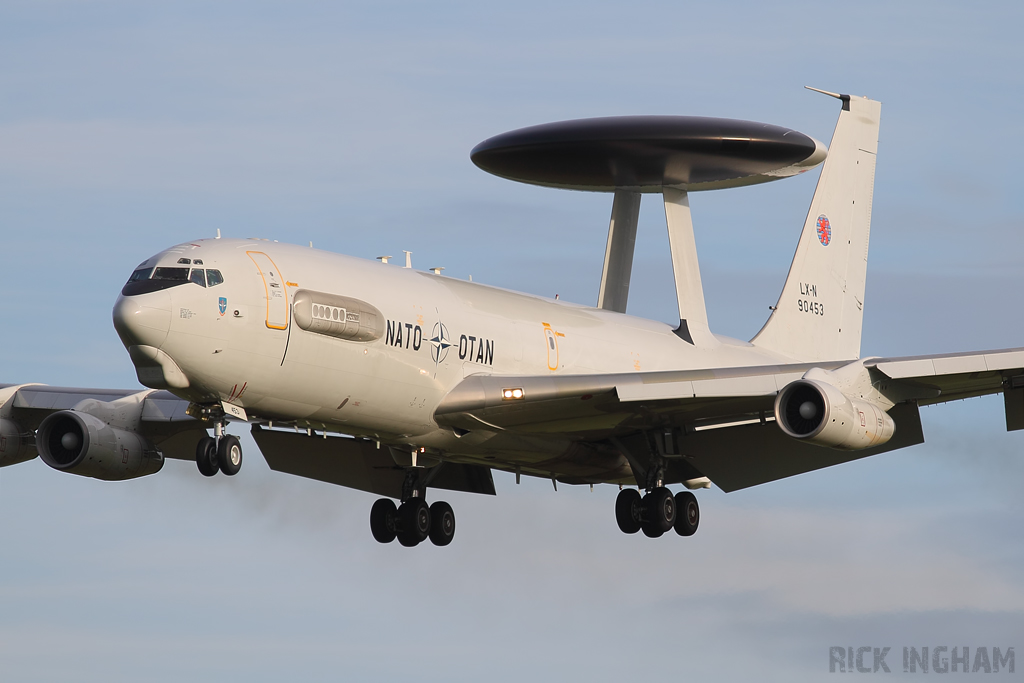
(657, 512)
(222, 452)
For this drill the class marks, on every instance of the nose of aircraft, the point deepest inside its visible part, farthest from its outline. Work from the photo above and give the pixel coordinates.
(143, 319)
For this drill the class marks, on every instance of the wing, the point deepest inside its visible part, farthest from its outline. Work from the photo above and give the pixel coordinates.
(723, 418)
(163, 420)
(602, 405)
(957, 376)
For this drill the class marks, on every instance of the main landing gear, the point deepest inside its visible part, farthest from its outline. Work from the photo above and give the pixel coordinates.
(412, 522)
(657, 512)
(221, 453)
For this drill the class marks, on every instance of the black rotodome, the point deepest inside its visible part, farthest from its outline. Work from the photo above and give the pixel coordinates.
(643, 152)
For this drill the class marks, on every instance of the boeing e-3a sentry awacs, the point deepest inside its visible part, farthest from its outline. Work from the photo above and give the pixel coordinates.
(396, 381)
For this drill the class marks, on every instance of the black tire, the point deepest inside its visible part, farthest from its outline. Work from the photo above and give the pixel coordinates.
(382, 520)
(206, 456)
(442, 523)
(659, 513)
(229, 455)
(414, 522)
(687, 514)
(627, 510)
(651, 530)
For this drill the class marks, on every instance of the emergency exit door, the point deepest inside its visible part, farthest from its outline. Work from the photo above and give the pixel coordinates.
(277, 294)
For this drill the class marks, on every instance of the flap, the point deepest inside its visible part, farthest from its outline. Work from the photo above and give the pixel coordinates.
(743, 456)
(359, 464)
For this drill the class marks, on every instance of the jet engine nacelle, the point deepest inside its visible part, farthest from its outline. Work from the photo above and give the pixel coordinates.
(80, 443)
(820, 413)
(14, 446)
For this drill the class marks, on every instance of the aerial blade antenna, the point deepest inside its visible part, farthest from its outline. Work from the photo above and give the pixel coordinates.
(825, 92)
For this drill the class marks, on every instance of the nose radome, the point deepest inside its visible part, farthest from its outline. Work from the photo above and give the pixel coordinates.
(143, 319)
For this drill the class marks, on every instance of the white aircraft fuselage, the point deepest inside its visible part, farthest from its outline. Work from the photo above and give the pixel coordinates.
(238, 341)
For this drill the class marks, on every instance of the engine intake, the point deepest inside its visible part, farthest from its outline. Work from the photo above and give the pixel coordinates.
(80, 443)
(821, 414)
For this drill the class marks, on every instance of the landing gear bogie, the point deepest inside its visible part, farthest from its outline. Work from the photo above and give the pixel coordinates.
(657, 512)
(412, 522)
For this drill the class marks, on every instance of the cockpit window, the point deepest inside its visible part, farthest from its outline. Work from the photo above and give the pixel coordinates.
(141, 274)
(180, 274)
(141, 281)
(145, 280)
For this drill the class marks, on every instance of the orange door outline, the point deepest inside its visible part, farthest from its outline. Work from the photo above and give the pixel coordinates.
(278, 310)
(551, 343)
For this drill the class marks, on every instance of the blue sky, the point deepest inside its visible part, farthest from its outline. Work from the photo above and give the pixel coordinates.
(128, 127)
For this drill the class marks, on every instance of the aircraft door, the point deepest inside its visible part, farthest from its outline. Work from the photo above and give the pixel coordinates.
(277, 294)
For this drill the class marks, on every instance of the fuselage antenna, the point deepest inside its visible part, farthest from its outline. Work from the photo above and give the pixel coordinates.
(408, 258)
(825, 92)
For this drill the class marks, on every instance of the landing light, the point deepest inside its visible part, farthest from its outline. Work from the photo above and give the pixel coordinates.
(511, 394)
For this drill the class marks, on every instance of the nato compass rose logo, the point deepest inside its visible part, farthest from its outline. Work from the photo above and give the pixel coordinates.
(439, 343)
(824, 230)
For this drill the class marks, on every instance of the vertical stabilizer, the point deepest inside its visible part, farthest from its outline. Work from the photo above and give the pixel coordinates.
(819, 315)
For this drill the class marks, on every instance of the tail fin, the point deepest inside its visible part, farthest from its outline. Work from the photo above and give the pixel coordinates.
(819, 314)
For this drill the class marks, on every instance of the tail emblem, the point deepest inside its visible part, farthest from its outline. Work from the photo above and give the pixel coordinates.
(824, 230)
